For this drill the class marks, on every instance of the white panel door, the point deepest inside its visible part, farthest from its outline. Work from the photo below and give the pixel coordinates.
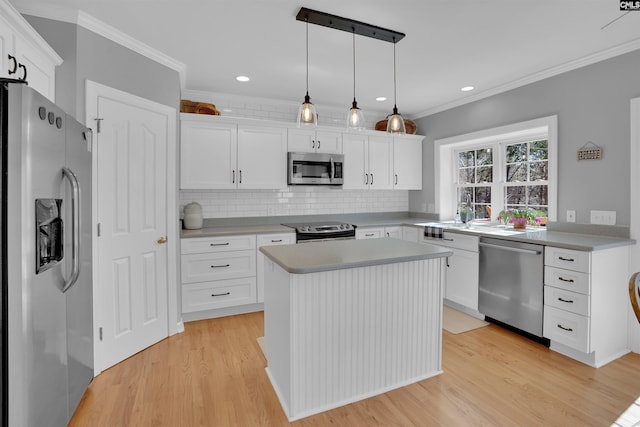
(262, 157)
(356, 160)
(381, 162)
(132, 212)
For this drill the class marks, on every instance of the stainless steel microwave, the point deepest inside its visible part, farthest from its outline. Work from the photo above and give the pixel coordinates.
(315, 169)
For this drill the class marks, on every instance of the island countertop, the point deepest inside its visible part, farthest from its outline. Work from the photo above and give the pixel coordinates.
(340, 254)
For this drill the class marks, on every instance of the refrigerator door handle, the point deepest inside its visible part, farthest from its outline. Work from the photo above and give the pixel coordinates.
(75, 228)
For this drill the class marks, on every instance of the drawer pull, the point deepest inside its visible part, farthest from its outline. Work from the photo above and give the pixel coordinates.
(448, 240)
(565, 329)
(220, 266)
(276, 241)
(566, 259)
(565, 280)
(565, 300)
(221, 295)
(369, 235)
(219, 244)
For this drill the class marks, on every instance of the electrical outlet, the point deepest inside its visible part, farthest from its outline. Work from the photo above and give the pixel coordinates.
(603, 217)
(571, 216)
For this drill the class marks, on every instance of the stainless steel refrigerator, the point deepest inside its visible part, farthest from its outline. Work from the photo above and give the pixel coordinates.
(45, 262)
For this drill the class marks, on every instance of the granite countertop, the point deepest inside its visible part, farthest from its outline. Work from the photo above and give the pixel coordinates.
(340, 254)
(582, 237)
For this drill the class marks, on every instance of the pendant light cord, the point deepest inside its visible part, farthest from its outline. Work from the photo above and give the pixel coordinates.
(354, 64)
(394, 74)
(307, 31)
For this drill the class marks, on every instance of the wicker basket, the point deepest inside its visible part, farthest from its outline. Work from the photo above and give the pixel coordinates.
(187, 106)
(410, 125)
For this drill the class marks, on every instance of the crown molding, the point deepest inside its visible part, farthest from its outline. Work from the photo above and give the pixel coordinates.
(15, 20)
(532, 78)
(93, 24)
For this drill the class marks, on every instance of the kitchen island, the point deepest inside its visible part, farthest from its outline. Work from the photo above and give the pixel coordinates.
(347, 320)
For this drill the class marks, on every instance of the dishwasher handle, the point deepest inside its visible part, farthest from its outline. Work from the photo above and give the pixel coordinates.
(510, 249)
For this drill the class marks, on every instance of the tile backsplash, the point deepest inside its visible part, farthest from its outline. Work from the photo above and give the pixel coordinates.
(294, 201)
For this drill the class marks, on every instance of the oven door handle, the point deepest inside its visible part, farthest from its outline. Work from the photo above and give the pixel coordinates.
(75, 228)
(510, 249)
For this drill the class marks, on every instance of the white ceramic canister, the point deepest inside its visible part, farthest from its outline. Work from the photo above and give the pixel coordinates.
(192, 216)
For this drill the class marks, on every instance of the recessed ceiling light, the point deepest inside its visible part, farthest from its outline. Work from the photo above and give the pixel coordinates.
(467, 88)
(381, 98)
(242, 78)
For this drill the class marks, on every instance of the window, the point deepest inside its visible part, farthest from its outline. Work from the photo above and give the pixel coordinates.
(500, 168)
(520, 174)
(527, 175)
(475, 179)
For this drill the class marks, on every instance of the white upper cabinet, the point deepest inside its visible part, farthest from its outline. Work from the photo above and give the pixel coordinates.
(262, 157)
(223, 155)
(407, 163)
(368, 161)
(25, 55)
(207, 155)
(314, 141)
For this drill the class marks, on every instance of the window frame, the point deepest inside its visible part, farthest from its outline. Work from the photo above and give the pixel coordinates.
(446, 169)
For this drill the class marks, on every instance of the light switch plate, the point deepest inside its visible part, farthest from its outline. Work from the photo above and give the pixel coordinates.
(603, 217)
(571, 216)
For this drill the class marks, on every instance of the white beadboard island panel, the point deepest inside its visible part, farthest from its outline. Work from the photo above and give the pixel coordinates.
(336, 337)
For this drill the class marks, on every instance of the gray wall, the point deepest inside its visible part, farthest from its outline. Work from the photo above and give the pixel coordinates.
(89, 56)
(592, 104)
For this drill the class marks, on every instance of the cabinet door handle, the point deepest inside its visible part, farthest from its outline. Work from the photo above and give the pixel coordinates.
(367, 178)
(565, 329)
(448, 262)
(387, 234)
(24, 72)
(233, 178)
(221, 295)
(221, 266)
(396, 179)
(12, 70)
(240, 176)
(371, 179)
(566, 259)
(313, 143)
(568, 301)
(219, 244)
(318, 144)
(562, 279)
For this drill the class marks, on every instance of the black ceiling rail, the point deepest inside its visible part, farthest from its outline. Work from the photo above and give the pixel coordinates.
(348, 25)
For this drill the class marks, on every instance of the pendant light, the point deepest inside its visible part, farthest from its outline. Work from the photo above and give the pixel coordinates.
(395, 123)
(307, 114)
(355, 118)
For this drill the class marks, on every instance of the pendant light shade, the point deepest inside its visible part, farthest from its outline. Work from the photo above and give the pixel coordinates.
(307, 114)
(355, 118)
(395, 123)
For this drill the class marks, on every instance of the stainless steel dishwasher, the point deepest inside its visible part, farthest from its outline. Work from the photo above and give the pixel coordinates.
(511, 283)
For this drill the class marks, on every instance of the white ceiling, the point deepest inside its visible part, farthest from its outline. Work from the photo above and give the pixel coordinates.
(490, 44)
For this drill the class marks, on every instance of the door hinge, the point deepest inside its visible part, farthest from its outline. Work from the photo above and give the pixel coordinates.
(98, 120)
(100, 333)
(99, 230)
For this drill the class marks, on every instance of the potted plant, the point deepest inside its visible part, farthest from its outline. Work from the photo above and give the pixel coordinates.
(519, 217)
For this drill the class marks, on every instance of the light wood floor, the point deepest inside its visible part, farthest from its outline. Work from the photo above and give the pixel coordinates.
(213, 375)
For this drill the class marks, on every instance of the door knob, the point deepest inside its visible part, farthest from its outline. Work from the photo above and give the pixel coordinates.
(162, 240)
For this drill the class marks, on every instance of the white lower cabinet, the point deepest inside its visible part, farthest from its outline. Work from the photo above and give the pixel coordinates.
(377, 232)
(462, 271)
(218, 272)
(584, 293)
(267, 240)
